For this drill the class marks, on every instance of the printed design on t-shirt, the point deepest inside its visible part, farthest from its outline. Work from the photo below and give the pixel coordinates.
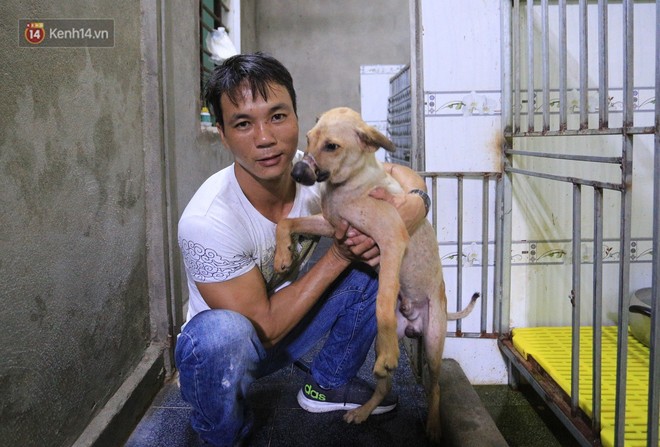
(303, 246)
(205, 263)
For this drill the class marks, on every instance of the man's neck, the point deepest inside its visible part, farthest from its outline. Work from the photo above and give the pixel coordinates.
(271, 198)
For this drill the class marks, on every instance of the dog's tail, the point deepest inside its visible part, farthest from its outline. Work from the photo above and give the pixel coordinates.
(465, 312)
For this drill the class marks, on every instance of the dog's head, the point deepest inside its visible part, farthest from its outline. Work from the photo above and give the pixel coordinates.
(338, 145)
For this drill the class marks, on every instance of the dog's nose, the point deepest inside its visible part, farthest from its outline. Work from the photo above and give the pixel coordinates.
(303, 174)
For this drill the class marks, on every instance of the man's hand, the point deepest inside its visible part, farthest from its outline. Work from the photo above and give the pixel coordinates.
(410, 206)
(352, 245)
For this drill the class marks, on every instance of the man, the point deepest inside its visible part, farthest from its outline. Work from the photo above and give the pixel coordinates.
(244, 321)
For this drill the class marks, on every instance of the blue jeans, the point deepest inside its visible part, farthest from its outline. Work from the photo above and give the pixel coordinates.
(218, 354)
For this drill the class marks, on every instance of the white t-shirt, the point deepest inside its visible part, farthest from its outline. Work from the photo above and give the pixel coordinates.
(222, 236)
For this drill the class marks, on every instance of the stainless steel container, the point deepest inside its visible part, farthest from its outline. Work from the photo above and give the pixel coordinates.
(640, 315)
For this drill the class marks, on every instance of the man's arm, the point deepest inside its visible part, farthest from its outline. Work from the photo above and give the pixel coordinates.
(274, 316)
(411, 207)
(408, 178)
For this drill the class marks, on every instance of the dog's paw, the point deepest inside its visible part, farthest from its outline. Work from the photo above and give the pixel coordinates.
(283, 259)
(356, 415)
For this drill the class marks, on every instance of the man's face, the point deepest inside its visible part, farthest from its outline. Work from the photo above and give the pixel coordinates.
(261, 134)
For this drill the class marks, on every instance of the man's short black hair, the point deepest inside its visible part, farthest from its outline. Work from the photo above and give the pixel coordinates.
(258, 70)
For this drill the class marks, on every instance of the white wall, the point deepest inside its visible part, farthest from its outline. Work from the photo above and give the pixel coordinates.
(462, 77)
(462, 66)
(461, 60)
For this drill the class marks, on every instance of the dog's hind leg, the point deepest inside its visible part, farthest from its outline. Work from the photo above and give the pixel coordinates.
(434, 341)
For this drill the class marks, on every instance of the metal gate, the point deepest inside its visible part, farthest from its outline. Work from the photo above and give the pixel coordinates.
(558, 113)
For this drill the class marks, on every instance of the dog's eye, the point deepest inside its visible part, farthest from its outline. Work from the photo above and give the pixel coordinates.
(330, 147)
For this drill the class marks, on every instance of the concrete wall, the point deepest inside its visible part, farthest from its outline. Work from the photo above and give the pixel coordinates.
(100, 150)
(74, 317)
(191, 154)
(91, 177)
(194, 154)
(324, 43)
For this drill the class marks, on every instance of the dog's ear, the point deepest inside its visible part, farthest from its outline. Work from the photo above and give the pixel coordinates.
(373, 139)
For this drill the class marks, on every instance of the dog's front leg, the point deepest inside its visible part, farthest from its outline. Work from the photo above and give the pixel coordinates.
(360, 414)
(381, 221)
(313, 225)
(387, 341)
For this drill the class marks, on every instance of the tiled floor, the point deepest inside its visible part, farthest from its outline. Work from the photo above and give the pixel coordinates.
(522, 418)
(279, 421)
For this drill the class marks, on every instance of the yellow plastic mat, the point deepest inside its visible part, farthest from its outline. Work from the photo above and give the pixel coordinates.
(551, 348)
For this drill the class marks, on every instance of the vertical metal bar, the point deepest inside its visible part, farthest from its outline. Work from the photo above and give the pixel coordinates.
(584, 70)
(575, 298)
(506, 205)
(563, 105)
(530, 66)
(512, 375)
(597, 310)
(485, 199)
(654, 361)
(603, 87)
(545, 59)
(503, 225)
(434, 192)
(502, 268)
(499, 258)
(625, 227)
(624, 303)
(418, 151)
(459, 243)
(513, 24)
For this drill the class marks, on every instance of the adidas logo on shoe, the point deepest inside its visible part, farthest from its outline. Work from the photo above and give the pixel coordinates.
(353, 394)
(313, 394)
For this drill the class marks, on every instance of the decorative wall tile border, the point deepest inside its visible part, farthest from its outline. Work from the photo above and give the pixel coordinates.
(547, 252)
(462, 103)
(381, 69)
(489, 102)
(643, 100)
(471, 254)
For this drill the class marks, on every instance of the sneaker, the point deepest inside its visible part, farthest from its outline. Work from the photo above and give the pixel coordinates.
(351, 395)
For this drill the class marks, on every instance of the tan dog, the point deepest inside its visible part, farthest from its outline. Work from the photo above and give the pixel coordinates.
(411, 297)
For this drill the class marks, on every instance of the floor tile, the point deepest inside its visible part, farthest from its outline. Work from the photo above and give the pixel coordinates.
(522, 417)
(164, 427)
(279, 420)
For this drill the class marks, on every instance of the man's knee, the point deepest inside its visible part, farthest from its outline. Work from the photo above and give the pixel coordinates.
(217, 332)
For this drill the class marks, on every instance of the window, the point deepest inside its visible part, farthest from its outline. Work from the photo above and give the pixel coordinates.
(211, 15)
